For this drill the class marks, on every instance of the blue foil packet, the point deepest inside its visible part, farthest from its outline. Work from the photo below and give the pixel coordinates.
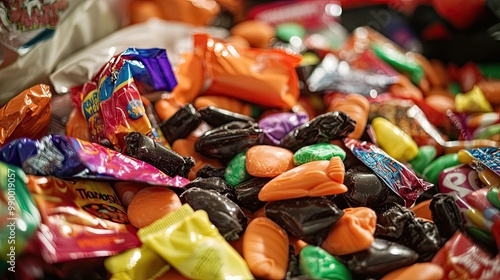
(68, 158)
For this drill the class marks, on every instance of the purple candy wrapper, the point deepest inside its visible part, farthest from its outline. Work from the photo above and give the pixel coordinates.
(276, 126)
(66, 157)
(155, 71)
(400, 179)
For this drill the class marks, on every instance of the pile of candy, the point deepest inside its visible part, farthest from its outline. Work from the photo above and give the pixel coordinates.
(255, 155)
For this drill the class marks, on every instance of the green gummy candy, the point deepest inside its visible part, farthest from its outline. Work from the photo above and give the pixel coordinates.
(317, 263)
(286, 31)
(482, 236)
(426, 154)
(492, 196)
(400, 62)
(320, 151)
(432, 171)
(236, 170)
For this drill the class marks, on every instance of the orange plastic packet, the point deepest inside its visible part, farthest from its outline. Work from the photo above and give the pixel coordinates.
(26, 115)
(77, 126)
(259, 76)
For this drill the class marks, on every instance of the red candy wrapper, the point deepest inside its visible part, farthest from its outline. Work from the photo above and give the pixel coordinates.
(313, 15)
(461, 258)
(81, 219)
(111, 102)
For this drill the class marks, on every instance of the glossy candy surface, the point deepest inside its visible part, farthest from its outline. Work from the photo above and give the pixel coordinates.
(446, 215)
(364, 188)
(276, 126)
(146, 149)
(227, 140)
(236, 170)
(226, 215)
(317, 263)
(398, 224)
(215, 184)
(323, 128)
(216, 116)
(181, 124)
(382, 257)
(247, 193)
(308, 219)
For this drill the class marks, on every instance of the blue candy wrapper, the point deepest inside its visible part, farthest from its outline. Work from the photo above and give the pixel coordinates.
(68, 158)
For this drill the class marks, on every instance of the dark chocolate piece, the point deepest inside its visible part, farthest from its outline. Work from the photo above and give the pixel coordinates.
(247, 193)
(446, 215)
(381, 258)
(207, 171)
(308, 218)
(225, 141)
(181, 124)
(322, 129)
(146, 149)
(224, 214)
(364, 188)
(398, 224)
(216, 117)
(215, 184)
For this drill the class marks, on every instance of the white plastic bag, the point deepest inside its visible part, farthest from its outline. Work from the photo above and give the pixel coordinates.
(87, 22)
(175, 37)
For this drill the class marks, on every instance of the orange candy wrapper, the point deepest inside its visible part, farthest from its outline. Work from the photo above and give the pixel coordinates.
(26, 115)
(259, 76)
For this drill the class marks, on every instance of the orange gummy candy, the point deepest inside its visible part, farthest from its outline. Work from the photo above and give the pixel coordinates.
(316, 178)
(151, 204)
(185, 148)
(268, 161)
(352, 233)
(354, 105)
(223, 102)
(265, 249)
(426, 270)
(422, 210)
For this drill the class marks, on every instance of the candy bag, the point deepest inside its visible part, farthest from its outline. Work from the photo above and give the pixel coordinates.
(263, 77)
(19, 215)
(80, 219)
(410, 118)
(66, 157)
(26, 115)
(24, 24)
(461, 258)
(400, 179)
(335, 75)
(111, 101)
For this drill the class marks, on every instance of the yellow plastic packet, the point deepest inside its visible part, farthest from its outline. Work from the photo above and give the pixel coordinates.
(192, 244)
(137, 263)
